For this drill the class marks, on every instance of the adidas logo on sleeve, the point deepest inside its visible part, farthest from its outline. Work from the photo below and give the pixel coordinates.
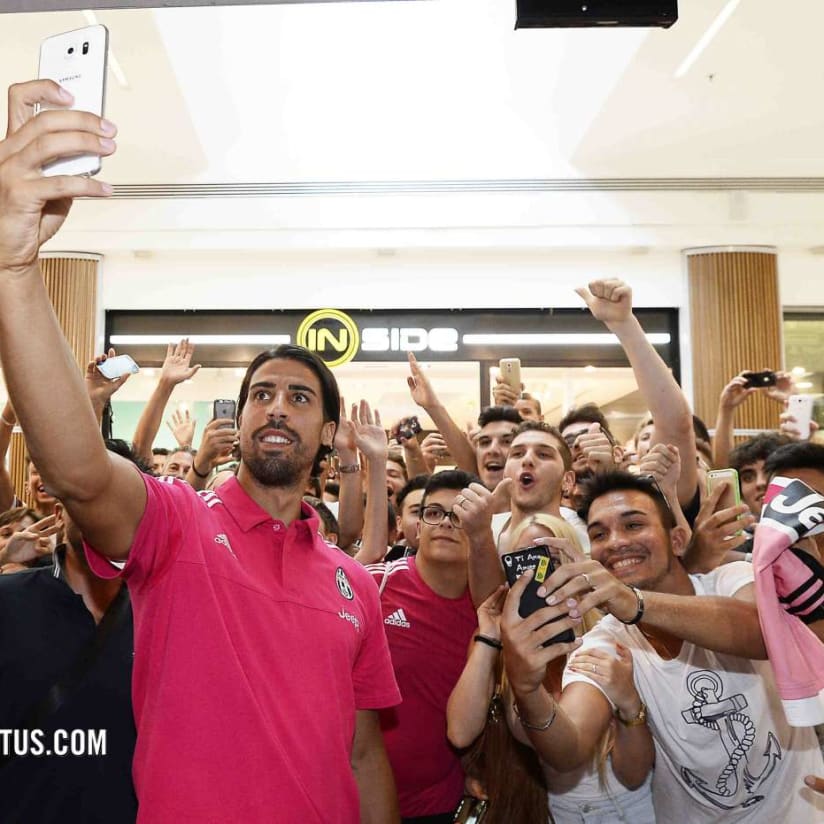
(397, 619)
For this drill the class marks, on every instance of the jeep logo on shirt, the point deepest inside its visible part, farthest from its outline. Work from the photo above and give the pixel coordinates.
(344, 588)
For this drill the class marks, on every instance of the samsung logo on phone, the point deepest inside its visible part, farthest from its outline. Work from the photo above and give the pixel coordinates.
(70, 77)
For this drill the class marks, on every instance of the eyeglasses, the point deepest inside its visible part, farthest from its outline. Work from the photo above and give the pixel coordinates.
(650, 479)
(434, 515)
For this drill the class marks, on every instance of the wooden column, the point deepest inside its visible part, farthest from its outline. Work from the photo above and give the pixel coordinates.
(735, 325)
(71, 281)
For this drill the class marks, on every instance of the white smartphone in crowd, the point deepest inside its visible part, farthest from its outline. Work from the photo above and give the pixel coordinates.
(117, 367)
(511, 373)
(77, 61)
(801, 408)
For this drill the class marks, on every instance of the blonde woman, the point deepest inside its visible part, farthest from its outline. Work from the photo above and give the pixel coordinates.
(616, 786)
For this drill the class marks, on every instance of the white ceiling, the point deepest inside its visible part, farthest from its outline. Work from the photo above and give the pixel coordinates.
(447, 90)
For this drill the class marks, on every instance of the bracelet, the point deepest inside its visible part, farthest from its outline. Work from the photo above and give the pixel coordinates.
(640, 613)
(537, 727)
(346, 469)
(639, 719)
(199, 475)
(490, 642)
(8, 423)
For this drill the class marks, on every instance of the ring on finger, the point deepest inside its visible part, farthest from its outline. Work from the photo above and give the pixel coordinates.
(586, 578)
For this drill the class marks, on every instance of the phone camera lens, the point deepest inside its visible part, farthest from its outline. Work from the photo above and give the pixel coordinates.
(71, 49)
(86, 47)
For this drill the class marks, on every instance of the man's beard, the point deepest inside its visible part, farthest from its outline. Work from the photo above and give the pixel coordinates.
(278, 470)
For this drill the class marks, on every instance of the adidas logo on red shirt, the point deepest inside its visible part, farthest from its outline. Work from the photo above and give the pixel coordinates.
(397, 619)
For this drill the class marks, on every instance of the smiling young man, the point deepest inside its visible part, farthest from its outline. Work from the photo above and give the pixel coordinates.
(429, 620)
(724, 750)
(260, 656)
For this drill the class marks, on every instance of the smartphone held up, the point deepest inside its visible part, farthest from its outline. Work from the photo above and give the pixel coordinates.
(77, 60)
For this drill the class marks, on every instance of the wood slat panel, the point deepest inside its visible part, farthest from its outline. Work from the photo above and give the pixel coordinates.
(735, 325)
(72, 287)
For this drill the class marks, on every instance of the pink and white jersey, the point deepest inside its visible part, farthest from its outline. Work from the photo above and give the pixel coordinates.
(255, 644)
(428, 637)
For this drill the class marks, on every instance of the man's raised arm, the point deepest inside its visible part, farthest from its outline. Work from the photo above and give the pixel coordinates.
(103, 493)
(610, 301)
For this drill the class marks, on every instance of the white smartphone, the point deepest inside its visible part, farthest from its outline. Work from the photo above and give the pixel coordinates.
(77, 61)
(117, 367)
(801, 408)
(511, 373)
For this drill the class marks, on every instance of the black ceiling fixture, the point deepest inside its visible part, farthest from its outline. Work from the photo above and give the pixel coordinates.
(545, 14)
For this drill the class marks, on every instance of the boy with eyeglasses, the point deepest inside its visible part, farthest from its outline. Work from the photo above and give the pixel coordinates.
(429, 620)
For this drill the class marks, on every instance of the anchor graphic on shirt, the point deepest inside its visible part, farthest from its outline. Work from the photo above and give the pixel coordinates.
(737, 733)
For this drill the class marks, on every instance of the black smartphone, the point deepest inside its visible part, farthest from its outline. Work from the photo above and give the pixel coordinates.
(225, 410)
(758, 380)
(409, 427)
(535, 557)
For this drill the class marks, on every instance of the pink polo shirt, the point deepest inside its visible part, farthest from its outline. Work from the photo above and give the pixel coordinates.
(428, 637)
(255, 643)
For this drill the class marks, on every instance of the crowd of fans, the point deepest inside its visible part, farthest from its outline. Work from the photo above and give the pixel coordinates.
(320, 621)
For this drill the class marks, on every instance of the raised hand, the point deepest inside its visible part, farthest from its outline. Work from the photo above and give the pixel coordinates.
(663, 462)
(182, 425)
(99, 387)
(32, 542)
(489, 613)
(369, 435)
(597, 449)
(524, 657)
(33, 207)
(433, 447)
(177, 365)
(345, 442)
(610, 301)
(717, 531)
(216, 445)
(419, 386)
(476, 505)
(735, 393)
(503, 394)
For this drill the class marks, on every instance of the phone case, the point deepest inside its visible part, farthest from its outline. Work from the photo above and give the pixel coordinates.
(77, 60)
(535, 557)
(224, 409)
(801, 408)
(114, 368)
(511, 373)
(732, 497)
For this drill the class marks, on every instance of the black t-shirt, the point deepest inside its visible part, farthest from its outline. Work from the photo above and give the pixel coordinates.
(44, 628)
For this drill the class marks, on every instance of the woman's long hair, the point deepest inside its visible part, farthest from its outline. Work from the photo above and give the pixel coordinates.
(561, 529)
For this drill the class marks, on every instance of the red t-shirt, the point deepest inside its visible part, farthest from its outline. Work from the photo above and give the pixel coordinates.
(428, 638)
(255, 643)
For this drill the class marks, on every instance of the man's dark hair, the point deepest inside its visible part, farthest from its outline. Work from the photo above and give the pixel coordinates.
(328, 385)
(795, 455)
(448, 479)
(540, 426)
(330, 522)
(757, 448)
(587, 413)
(493, 414)
(525, 396)
(396, 456)
(124, 449)
(416, 482)
(700, 430)
(160, 450)
(601, 484)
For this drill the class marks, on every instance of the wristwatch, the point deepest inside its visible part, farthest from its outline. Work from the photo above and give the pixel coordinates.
(639, 719)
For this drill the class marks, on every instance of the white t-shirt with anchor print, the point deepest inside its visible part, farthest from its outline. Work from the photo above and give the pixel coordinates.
(724, 751)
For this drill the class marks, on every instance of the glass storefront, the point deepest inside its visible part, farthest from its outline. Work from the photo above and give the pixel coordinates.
(567, 358)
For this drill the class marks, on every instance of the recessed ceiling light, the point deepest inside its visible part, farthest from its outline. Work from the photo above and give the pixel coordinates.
(799, 370)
